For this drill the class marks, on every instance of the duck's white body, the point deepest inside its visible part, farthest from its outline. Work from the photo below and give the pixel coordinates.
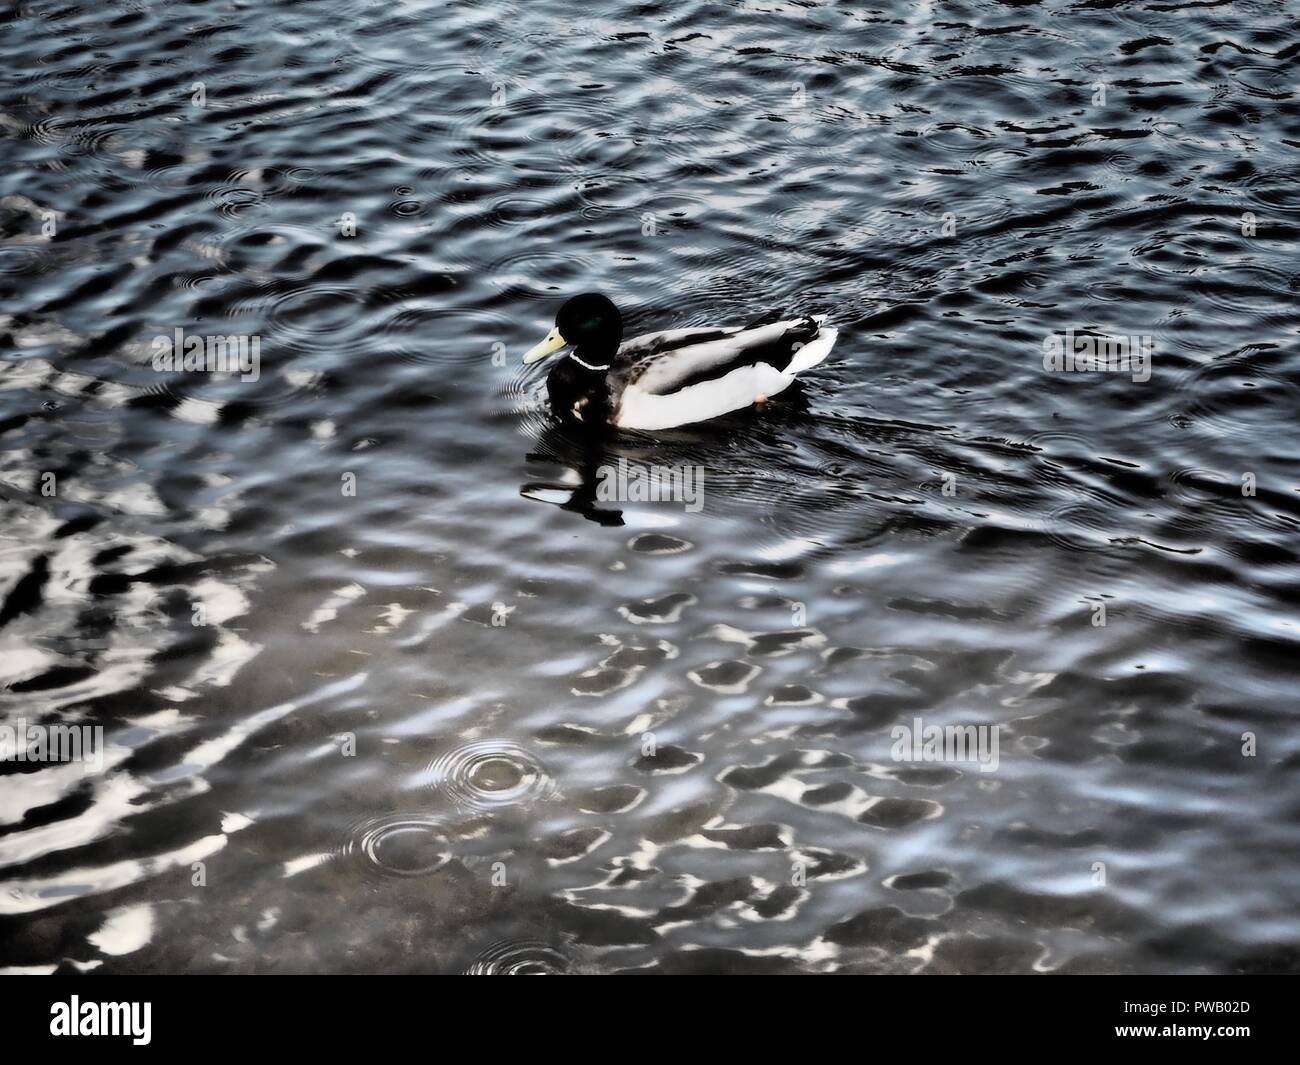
(652, 398)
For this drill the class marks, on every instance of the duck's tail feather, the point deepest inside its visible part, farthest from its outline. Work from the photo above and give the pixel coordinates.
(816, 349)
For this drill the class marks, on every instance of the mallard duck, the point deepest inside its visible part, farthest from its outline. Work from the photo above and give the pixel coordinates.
(676, 377)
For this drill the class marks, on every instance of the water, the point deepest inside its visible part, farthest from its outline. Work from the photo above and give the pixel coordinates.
(447, 710)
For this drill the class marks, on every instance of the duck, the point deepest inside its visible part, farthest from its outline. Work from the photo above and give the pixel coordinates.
(674, 377)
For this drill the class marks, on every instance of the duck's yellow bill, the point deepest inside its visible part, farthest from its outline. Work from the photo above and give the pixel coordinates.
(553, 342)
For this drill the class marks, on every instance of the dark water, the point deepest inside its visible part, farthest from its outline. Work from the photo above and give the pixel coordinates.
(411, 732)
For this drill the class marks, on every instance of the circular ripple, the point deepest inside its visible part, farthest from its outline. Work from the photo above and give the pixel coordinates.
(540, 132)
(514, 210)
(814, 227)
(669, 213)
(376, 33)
(1204, 489)
(520, 958)
(154, 156)
(1252, 290)
(21, 259)
(522, 399)
(257, 248)
(601, 141)
(1079, 525)
(318, 318)
(545, 275)
(234, 200)
(1238, 395)
(1273, 191)
(398, 846)
(49, 130)
(957, 139)
(809, 218)
(1055, 441)
(1121, 162)
(1105, 292)
(197, 281)
(1168, 257)
(270, 181)
(973, 213)
(815, 513)
(429, 335)
(1267, 82)
(88, 141)
(707, 144)
(490, 774)
(1001, 154)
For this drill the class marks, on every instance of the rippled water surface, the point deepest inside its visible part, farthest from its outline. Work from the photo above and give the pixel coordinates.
(385, 687)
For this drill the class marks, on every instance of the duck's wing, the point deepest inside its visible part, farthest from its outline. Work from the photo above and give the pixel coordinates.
(717, 376)
(681, 358)
(648, 345)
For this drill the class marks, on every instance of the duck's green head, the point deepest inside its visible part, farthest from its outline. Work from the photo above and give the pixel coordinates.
(590, 322)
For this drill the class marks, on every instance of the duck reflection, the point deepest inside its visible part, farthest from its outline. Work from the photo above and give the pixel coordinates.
(603, 465)
(585, 457)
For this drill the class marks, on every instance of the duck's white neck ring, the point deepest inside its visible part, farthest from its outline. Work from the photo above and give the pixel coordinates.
(588, 365)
